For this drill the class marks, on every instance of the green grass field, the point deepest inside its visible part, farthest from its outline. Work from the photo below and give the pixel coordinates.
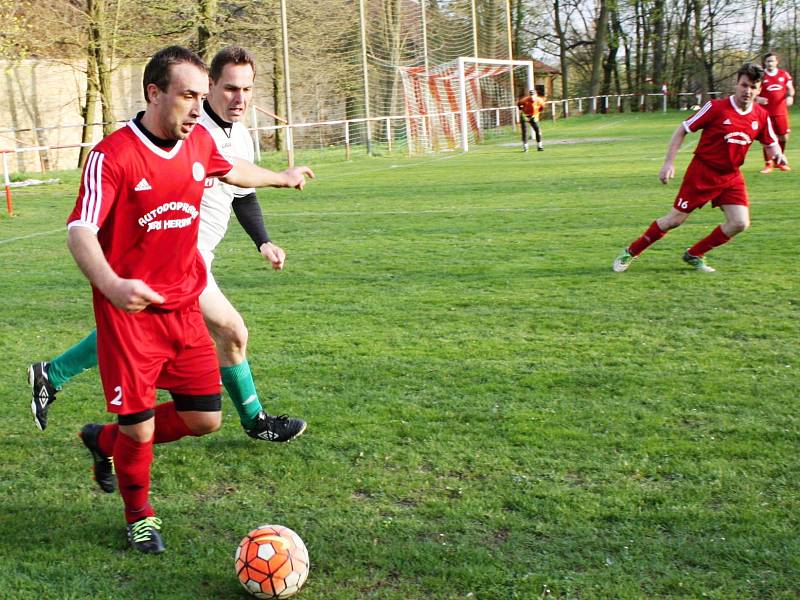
(493, 413)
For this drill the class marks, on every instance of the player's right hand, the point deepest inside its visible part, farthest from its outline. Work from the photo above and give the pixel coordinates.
(274, 254)
(296, 177)
(666, 173)
(132, 295)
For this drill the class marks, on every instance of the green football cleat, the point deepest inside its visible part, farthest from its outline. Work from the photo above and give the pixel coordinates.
(698, 262)
(623, 261)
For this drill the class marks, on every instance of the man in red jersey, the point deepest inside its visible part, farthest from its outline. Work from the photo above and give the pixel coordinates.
(133, 233)
(777, 95)
(730, 125)
(530, 107)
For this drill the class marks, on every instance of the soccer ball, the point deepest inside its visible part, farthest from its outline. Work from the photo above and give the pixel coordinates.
(272, 562)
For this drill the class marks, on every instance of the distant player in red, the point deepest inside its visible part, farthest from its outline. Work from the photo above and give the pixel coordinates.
(777, 95)
(133, 233)
(730, 125)
(530, 107)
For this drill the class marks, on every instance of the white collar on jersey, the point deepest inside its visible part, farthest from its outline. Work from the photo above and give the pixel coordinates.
(151, 146)
(738, 110)
(771, 73)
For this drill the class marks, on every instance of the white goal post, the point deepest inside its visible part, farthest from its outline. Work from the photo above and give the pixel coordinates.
(463, 61)
(447, 104)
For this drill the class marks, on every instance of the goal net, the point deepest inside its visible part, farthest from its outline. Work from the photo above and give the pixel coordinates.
(462, 102)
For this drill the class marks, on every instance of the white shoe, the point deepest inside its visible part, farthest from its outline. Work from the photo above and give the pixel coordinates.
(524, 147)
(623, 261)
(698, 263)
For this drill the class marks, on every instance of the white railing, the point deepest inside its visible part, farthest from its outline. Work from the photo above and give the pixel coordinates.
(394, 135)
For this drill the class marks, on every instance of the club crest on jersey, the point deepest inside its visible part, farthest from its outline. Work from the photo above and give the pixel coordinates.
(754, 125)
(738, 137)
(198, 172)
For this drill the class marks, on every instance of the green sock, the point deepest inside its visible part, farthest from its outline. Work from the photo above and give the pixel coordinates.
(74, 361)
(238, 381)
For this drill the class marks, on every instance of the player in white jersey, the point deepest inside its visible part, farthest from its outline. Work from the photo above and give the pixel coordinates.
(231, 77)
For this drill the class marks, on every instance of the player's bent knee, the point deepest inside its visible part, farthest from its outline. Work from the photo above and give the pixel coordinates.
(202, 414)
(204, 423)
(138, 426)
(738, 226)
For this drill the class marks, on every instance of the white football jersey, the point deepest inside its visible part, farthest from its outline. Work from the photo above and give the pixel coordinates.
(215, 207)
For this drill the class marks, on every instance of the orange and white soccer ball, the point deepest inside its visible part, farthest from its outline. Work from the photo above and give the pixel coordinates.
(272, 562)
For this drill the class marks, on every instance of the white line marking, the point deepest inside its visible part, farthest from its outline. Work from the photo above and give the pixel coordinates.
(32, 235)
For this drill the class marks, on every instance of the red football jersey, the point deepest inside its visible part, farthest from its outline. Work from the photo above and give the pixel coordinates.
(773, 88)
(144, 202)
(728, 133)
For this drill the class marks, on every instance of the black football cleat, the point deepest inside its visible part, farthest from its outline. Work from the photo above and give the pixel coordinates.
(103, 467)
(42, 391)
(276, 429)
(143, 535)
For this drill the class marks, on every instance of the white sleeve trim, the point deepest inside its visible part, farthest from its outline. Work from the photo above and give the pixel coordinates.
(687, 124)
(91, 226)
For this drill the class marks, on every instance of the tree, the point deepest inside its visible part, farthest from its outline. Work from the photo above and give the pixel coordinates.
(601, 34)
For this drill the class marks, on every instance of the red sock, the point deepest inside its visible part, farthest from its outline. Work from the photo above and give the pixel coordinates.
(107, 438)
(169, 425)
(651, 236)
(708, 243)
(132, 462)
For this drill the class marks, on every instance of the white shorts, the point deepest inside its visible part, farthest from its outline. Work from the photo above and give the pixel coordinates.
(211, 283)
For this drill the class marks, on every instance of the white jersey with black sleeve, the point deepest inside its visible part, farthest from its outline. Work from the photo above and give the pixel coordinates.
(233, 141)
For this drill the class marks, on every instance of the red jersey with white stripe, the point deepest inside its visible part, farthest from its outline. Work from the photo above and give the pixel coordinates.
(773, 88)
(728, 133)
(143, 202)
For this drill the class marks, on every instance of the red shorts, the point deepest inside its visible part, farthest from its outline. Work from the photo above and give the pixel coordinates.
(780, 124)
(702, 184)
(139, 352)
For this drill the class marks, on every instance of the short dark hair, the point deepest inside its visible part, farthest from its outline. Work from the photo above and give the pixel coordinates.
(232, 55)
(158, 69)
(766, 56)
(753, 71)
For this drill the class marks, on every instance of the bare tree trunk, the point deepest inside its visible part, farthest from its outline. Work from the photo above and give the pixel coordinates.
(610, 63)
(87, 110)
(562, 48)
(519, 20)
(620, 33)
(98, 46)
(679, 64)
(278, 96)
(31, 106)
(12, 107)
(601, 30)
(206, 29)
(658, 19)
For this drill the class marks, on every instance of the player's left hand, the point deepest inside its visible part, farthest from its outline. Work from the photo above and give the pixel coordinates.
(274, 254)
(666, 173)
(296, 177)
